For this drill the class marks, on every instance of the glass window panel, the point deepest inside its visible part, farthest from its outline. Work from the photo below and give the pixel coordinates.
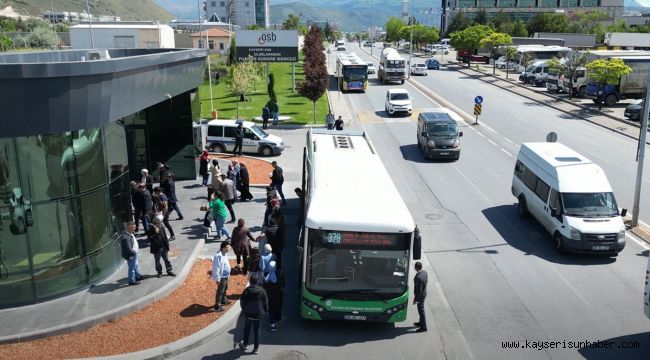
(8, 171)
(116, 150)
(96, 219)
(589, 3)
(15, 275)
(88, 145)
(486, 3)
(466, 4)
(548, 3)
(120, 200)
(55, 235)
(47, 166)
(569, 3)
(507, 3)
(135, 119)
(102, 263)
(60, 279)
(526, 3)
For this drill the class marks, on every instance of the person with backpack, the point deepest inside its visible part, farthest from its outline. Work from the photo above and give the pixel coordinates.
(266, 114)
(255, 304)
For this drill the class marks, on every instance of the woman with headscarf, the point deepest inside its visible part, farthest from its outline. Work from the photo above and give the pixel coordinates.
(245, 183)
(203, 167)
(265, 259)
(274, 286)
(241, 238)
(215, 171)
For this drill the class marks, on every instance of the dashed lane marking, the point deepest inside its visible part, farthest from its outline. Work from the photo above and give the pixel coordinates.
(505, 151)
(492, 142)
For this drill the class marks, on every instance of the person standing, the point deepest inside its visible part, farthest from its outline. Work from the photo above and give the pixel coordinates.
(275, 111)
(277, 179)
(169, 188)
(159, 247)
(215, 171)
(164, 203)
(229, 194)
(218, 209)
(203, 167)
(338, 124)
(143, 199)
(233, 174)
(245, 183)
(147, 180)
(420, 294)
(129, 247)
(266, 113)
(329, 120)
(239, 139)
(274, 286)
(241, 243)
(220, 275)
(255, 304)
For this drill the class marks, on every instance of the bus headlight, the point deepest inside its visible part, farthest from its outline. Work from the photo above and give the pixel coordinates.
(575, 233)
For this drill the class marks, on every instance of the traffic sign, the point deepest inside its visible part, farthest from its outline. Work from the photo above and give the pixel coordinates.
(478, 100)
(477, 109)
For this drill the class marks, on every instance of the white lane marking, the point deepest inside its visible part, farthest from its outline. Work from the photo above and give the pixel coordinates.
(489, 128)
(641, 243)
(492, 142)
(508, 140)
(509, 154)
(478, 132)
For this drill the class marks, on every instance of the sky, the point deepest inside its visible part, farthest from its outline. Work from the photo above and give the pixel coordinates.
(644, 2)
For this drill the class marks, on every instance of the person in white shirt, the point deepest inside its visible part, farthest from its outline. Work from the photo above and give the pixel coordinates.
(220, 275)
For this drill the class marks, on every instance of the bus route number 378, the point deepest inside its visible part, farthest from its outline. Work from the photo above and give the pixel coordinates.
(334, 238)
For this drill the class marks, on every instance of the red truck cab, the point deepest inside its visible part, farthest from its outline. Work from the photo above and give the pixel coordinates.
(468, 56)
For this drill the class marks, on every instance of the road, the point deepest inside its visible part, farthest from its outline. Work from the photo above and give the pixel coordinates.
(494, 277)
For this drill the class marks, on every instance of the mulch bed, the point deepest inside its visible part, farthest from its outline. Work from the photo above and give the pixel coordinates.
(182, 313)
(258, 170)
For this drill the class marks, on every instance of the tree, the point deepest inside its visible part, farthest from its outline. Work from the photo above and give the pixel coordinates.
(328, 33)
(470, 38)
(291, 23)
(316, 76)
(254, 27)
(43, 37)
(232, 52)
(481, 17)
(5, 42)
(459, 22)
(511, 51)
(518, 29)
(243, 76)
(568, 67)
(606, 72)
(492, 43)
(500, 22)
(549, 22)
(393, 27)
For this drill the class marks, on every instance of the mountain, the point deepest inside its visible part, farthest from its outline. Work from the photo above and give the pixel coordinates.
(125, 9)
(631, 4)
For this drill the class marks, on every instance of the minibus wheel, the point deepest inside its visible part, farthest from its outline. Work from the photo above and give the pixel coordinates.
(558, 243)
(522, 208)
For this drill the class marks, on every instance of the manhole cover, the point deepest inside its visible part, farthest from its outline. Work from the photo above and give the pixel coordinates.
(290, 355)
(433, 216)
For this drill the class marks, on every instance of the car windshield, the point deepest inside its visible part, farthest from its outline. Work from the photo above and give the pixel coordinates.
(343, 264)
(259, 132)
(442, 129)
(590, 204)
(399, 96)
(530, 68)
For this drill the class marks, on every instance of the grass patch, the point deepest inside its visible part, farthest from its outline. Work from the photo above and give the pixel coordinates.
(291, 104)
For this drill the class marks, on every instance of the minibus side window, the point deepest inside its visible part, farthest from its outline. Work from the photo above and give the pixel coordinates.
(542, 190)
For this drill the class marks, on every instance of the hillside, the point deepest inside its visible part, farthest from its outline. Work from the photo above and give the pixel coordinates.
(126, 9)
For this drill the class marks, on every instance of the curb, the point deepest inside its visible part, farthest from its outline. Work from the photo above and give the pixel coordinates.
(114, 314)
(187, 343)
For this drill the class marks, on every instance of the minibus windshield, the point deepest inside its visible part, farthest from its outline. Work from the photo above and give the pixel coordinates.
(590, 204)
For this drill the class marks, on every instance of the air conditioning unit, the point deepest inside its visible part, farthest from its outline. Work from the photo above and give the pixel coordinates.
(98, 55)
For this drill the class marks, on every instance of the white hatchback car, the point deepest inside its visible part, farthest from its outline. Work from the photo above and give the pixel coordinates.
(371, 68)
(398, 101)
(419, 69)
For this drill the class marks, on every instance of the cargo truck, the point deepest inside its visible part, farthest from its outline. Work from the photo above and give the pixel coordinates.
(630, 86)
(392, 66)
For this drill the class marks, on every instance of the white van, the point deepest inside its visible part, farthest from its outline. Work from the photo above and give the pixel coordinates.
(536, 73)
(340, 45)
(221, 138)
(570, 197)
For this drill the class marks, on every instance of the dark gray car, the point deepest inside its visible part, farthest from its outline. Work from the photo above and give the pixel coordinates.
(438, 135)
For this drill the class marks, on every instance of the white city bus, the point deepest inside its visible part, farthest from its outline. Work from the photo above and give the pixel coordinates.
(358, 235)
(527, 54)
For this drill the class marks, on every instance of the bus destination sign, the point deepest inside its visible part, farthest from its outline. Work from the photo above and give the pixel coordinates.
(357, 239)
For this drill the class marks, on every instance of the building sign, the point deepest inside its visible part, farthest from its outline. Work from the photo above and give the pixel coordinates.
(267, 45)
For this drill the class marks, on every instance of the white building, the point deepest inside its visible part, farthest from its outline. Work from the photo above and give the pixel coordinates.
(125, 36)
(243, 13)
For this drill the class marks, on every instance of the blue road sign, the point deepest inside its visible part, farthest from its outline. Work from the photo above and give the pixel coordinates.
(478, 100)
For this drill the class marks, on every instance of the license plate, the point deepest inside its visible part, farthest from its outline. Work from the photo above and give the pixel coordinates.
(443, 153)
(600, 248)
(354, 317)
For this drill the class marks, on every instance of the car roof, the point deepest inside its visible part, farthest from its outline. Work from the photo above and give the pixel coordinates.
(398, 90)
(233, 122)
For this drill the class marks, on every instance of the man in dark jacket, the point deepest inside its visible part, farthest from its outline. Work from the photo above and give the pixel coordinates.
(420, 292)
(159, 246)
(239, 139)
(277, 179)
(143, 205)
(255, 304)
(169, 188)
(129, 246)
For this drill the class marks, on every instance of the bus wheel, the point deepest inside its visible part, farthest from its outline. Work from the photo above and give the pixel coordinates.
(558, 243)
(522, 208)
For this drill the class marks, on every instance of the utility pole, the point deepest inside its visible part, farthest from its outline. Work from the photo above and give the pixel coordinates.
(372, 27)
(411, 21)
(90, 25)
(639, 166)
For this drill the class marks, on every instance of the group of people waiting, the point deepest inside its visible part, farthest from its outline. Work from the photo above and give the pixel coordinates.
(333, 124)
(151, 206)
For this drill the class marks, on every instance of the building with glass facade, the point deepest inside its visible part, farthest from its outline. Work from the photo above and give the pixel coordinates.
(73, 133)
(527, 9)
(242, 13)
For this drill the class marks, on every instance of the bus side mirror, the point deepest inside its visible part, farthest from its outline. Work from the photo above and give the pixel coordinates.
(417, 245)
(623, 212)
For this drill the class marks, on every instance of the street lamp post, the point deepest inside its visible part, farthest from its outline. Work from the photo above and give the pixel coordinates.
(90, 25)
(411, 39)
(372, 30)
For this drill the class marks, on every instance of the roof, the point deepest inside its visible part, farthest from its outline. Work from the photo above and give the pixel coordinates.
(230, 122)
(352, 190)
(120, 26)
(213, 32)
(572, 171)
(350, 59)
(398, 90)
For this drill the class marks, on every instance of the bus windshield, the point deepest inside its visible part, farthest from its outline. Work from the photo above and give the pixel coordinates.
(355, 265)
(589, 204)
(355, 73)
